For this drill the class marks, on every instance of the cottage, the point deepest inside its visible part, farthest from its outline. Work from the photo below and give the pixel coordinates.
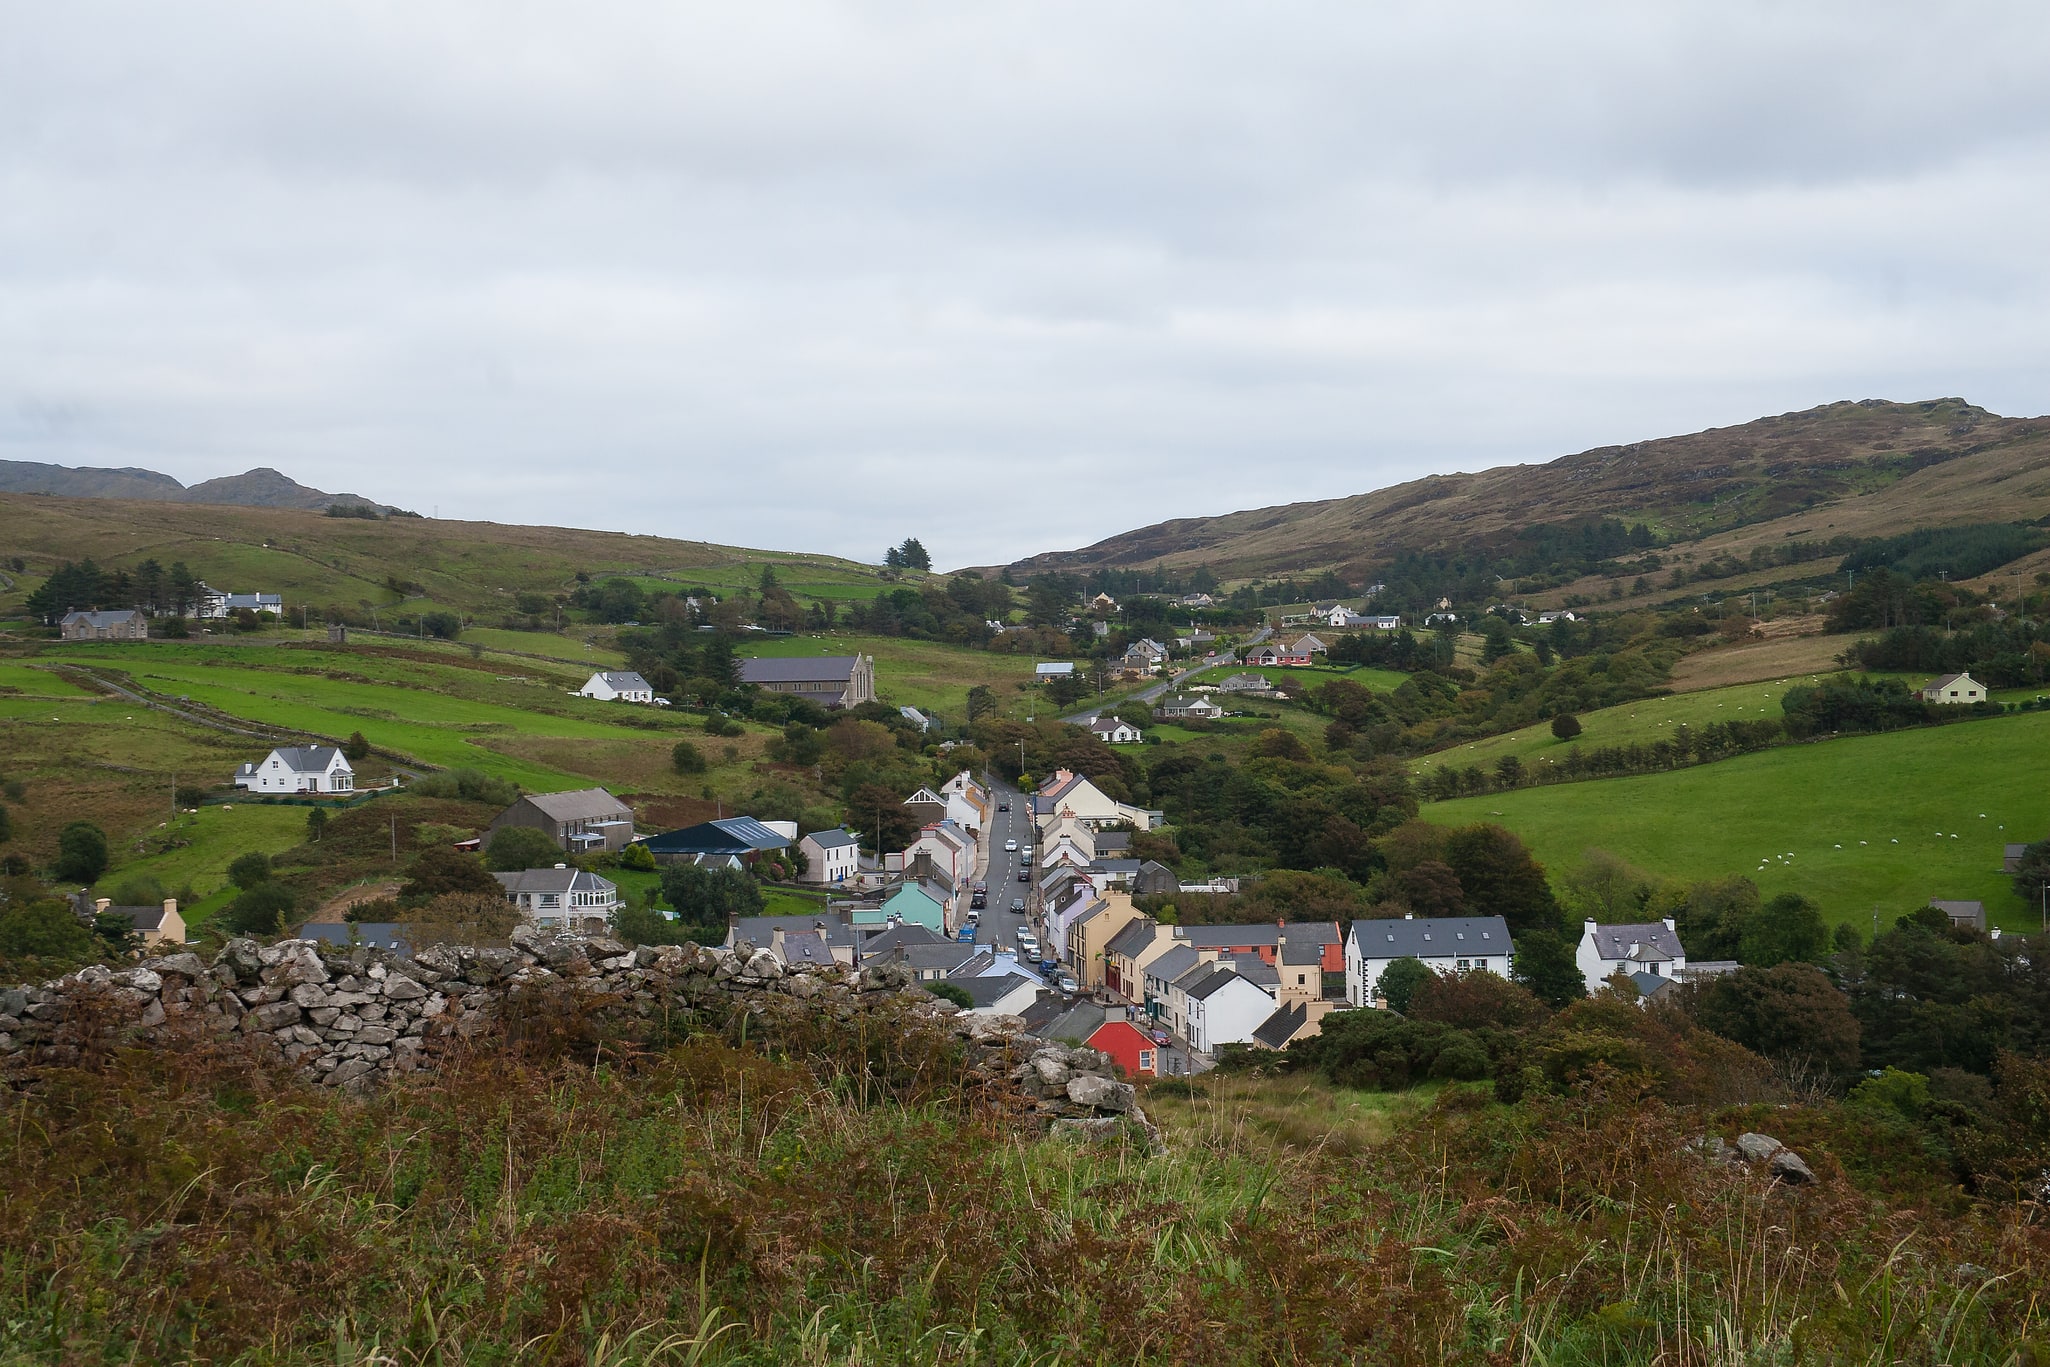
(1968, 914)
(124, 624)
(562, 898)
(299, 769)
(1954, 688)
(1545, 619)
(830, 856)
(1197, 600)
(830, 927)
(828, 680)
(1103, 602)
(1245, 683)
(1059, 669)
(1195, 708)
(156, 924)
(581, 821)
(1065, 793)
(213, 605)
(1114, 731)
(1381, 622)
(1651, 947)
(617, 686)
(1131, 1048)
(1008, 995)
(1445, 944)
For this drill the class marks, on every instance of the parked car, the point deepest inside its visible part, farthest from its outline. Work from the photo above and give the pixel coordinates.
(1024, 875)
(1069, 985)
(1048, 966)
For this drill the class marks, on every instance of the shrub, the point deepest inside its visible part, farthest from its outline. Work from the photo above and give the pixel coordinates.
(250, 869)
(1476, 1000)
(43, 929)
(951, 992)
(468, 785)
(355, 747)
(513, 848)
(463, 918)
(716, 725)
(637, 857)
(260, 910)
(81, 853)
(1400, 980)
(441, 870)
(686, 758)
(1565, 726)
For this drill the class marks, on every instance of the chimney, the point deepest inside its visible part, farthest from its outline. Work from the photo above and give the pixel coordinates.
(562, 866)
(1409, 916)
(100, 904)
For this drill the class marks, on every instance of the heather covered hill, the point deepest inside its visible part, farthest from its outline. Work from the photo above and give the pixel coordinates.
(1872, 467)
(259, 488)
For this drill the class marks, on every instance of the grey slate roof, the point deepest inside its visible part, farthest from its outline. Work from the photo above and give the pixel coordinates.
(807, 947)
(1133, 938)
(987, 992)
(107, 618)
(1256, 971)
(1224, 937)
(580, 804)
(897, 936)
(1654, 939)
(1074, 1025)
(624, 681)
(1110, 842)
(1210, 984)
(835, 839)
(563, 880)
(1173, 963)
(1278, 1029)
(307, 759)
(757, 930)
(945, 956)
(1432, 937)
(819, 669)
(142, 918)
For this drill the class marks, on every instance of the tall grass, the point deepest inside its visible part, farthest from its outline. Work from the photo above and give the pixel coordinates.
(854, 1201)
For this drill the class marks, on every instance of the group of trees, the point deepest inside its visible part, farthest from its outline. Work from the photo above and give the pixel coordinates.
(149, 587)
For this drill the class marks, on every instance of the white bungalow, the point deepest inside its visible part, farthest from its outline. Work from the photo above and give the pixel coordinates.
(299, 769)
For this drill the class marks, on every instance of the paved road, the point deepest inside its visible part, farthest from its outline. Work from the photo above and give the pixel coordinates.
(1000, 925)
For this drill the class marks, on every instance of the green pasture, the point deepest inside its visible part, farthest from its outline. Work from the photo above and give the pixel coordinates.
(435, 725)
(36, 683)
(1887, 821)
(569, 646)
(216, 837)
(1630, 723)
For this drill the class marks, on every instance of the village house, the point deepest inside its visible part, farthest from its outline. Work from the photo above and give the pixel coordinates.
(910, 904)
(156, 924)
(1545, 619)
(968, 802)
(562, 898)
(1066, 793)
(1056, 669)
(122, 624)
(1220, 1005)
(620, 685)
(1246, 683)
(1197, 600)
(1008, 995)
(1954, 688)
(1380, 622)
(1184, 706)
(1114, 731)
(1651, 948)
(927, 806)
(1444, 944)
(1969, 914)
(212, 605)
(1157, 980)
(1131, 1048)
(828, 680)
(299, 769)
(1103, 602)
(830, 856)
(802, 949)
(581, 821)
(1091, 932)
(1128, 953)
(830, 927)
(1291, 1022)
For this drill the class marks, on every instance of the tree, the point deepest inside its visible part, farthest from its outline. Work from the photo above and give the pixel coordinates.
(1565, 726)
(637, 857)
(982, 700)
(250, 869)
(1399, 982)
(1501, 878)
(2032, 874)
(316, 824)
(439, 869)
(872, 806)
(686, 758)
(258, 910)
(912, 555)
(81, 853)
(355, 748)
(513, 848)
(6, 826)
(1788, 929)
(1790, 1011)
(951, 992)
(1545, 964)
(1474, 1000)
(1429, 889)
(710, 897)
(42, 929)
(643, 925)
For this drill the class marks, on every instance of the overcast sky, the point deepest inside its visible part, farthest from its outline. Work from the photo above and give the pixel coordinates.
(1009, 277)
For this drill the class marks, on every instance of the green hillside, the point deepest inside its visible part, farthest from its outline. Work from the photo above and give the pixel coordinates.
(1887, 821)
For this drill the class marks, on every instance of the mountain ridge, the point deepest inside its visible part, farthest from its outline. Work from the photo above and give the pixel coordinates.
(1691, 487)
(262, 487)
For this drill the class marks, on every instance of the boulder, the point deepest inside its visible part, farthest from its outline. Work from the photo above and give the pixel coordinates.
(1101, 1092)
(1787, 1166)
(1758, 1147)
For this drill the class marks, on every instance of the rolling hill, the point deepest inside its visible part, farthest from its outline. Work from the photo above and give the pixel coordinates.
(259, 488)
(1865, 468)
(473, 567)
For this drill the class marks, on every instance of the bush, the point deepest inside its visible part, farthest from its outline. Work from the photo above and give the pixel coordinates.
(43, 929)
(81, 853)
(468, 785)
(1565, 726)
(260, 910)
(441, 870)
(463, 918)
(1400, 980)
(316, 824)
(355, 748)
(637, 857)
(716, 725)
(250, 869)
(687, 758)
(513, 848)
(710, 897)
(951, 992)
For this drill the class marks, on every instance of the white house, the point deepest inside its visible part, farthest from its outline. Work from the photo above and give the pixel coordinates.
(1652, 947)
(299, 769)
(1388, 622)
(1445, 944)
(1954, 688)
(1201, 708)
(1545, 619)
(561, 898)
(213, 604)
(618, 686)
(967, 802)
(1056, 670)
(1066, 793)
(830, 856)
(1220, 1006)
(1114, 731)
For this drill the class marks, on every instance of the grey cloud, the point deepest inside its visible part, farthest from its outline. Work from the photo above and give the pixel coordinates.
(682, 268)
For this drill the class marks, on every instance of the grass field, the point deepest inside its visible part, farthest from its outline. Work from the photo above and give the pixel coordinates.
(1648, 719)
(1886, 821)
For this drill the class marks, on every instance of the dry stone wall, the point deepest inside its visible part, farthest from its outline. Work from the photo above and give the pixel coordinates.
(355, 1017)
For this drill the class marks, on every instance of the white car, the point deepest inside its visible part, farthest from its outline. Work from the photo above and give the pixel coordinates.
(1010, 846)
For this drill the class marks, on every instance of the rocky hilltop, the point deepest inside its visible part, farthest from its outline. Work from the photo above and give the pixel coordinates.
(262, 487)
